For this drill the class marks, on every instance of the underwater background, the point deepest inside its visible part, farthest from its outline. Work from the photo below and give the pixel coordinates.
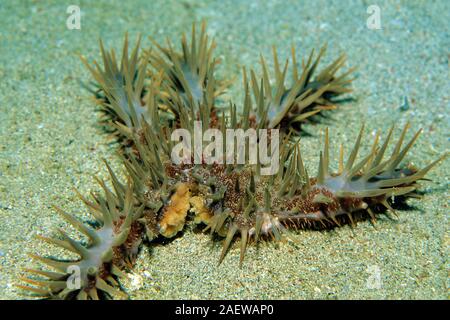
(50, 141)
